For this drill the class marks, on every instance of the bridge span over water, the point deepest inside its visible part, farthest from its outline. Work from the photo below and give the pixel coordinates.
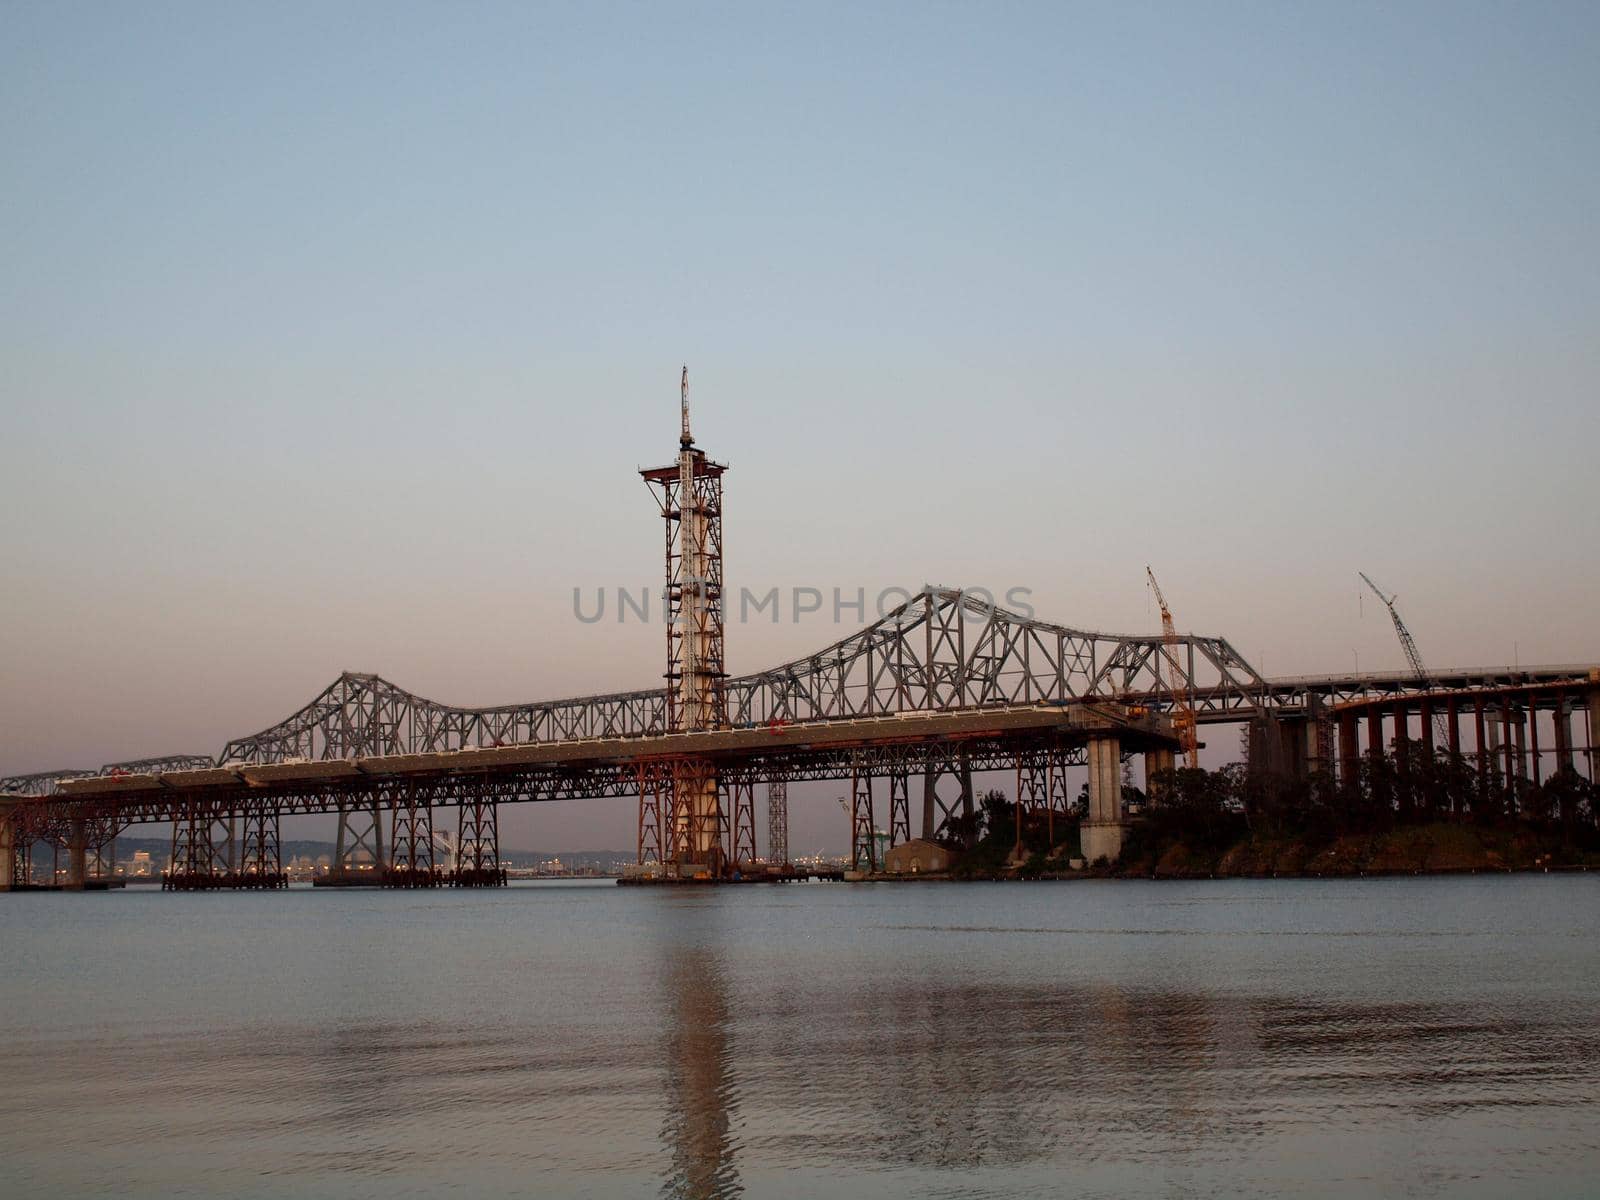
(944, 687)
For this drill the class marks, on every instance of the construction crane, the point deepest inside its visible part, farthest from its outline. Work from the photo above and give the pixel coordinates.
(1183, 719)
(1413, 656)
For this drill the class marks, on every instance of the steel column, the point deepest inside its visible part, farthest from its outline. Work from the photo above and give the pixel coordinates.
(1033, 793)
(478, 845)
(778, 822)
(742, 848)
(863, 847)
(899, 806)
(411, 842)
(655, 801)
(360, 832)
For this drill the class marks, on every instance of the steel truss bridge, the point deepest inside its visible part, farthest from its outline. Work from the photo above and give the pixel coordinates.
(944, 686)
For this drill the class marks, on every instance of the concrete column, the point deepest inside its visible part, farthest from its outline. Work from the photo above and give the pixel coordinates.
(1482, 751)
(1563, 729)
(77, 859)
(8, 848)
(1519, 729)
(1349, 747)
(1402, 757)
(1155, 762)
(1594, 732)
(1318, 735)
(1533, 739)
(1102, 830)
(1293, 733)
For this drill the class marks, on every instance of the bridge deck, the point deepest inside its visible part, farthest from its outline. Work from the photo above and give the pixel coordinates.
(827, 748)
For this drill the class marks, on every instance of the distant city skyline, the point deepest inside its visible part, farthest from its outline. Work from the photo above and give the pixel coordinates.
(308, 369)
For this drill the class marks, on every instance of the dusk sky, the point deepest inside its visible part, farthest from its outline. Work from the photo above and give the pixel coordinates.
(333, 337)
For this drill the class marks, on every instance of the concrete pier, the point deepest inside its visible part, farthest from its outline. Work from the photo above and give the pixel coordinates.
(77, 857)
(1156, 762)
(1594, 728)
(8, 847)
(1103, 829)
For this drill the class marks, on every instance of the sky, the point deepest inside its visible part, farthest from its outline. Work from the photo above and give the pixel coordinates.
(332, 337)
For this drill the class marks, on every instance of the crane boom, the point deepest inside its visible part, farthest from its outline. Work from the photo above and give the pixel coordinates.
(1409, 645)
(1407, 642)
(1183, 717)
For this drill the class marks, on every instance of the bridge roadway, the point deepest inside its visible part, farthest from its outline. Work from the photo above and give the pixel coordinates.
(89, 812)
(943, 685)
(988, 739)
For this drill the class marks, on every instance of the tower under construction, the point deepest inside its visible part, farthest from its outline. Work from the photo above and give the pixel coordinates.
(681, 821)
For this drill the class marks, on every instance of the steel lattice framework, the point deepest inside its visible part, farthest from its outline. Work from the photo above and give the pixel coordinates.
(943, 650)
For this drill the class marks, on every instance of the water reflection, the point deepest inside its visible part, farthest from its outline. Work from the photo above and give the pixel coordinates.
(929, 1074)
(701, 1094)
(695, 1047)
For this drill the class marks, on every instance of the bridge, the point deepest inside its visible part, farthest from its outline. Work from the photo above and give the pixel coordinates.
(906, 710)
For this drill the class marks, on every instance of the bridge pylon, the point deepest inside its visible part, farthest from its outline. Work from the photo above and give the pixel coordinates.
(689, 493)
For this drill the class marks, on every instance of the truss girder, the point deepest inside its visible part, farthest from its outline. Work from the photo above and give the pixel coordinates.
(942, 650)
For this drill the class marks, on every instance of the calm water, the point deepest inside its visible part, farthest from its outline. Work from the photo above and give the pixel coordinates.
(1301, 1038)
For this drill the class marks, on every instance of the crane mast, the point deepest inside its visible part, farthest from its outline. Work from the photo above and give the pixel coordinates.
(1409, 645)
(1183, 717)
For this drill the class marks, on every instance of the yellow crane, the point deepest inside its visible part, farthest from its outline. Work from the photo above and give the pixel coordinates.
(1183, 720)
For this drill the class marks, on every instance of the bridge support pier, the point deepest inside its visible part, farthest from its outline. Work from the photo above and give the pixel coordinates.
(77, 855)
(1594, 728)
(655, 801)
(863, 847)
(1267, 740)
(1060, 810)
(1156, 763)
(478, 846)
(778, 822)
(933, 806)
(1594, 732)
(1349, 748)
(360, 833)
(697, 821)
(899, 806)
(1292, 744)
(1104, 828)
(8, 848)
(411, 843)
(192, 865)
(742, 842)
(1033, 799)
(261, 864)
(1563, 733)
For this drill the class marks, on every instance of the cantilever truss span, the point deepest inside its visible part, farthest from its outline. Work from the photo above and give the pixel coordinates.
(941, 651)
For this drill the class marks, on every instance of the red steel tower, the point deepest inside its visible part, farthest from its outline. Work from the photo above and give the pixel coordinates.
(690, 495)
